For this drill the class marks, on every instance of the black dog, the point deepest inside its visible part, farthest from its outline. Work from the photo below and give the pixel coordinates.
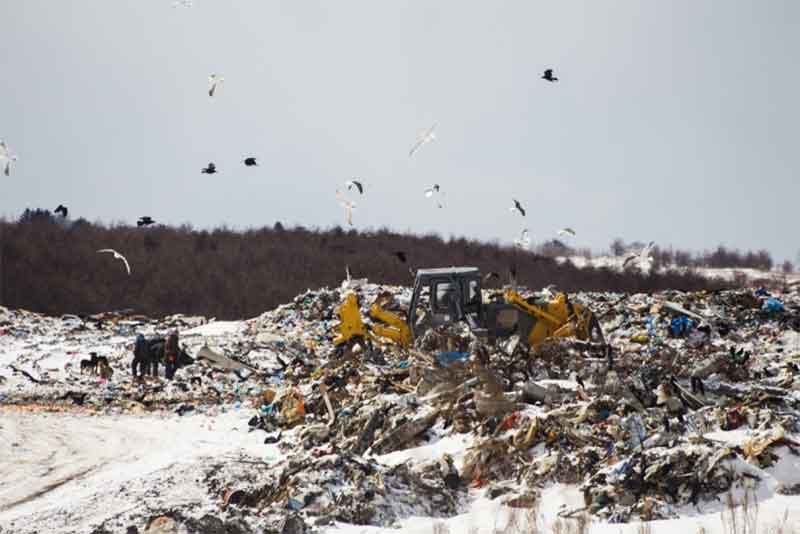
(146, 362)
(91, 364)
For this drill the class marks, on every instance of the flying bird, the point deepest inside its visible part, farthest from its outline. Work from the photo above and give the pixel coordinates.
(117, 256)
(145, 221)
(567, 232)
(211, 169)
(400, 255)
(6, 157)
(214, 82)
(348, 206)
(62, 209)
(431, 190)
(548, 75)
(518, 207)
(422, 139)
(250, 162)
(355, 183)
(524, 239)
(182, 3)
(644, 258)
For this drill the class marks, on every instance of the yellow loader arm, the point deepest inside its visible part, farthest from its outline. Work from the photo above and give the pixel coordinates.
(352, 326)
(557, 318)
(395, 327)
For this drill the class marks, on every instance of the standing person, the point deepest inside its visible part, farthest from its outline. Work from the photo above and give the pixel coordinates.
(141, 357)
(171, 354)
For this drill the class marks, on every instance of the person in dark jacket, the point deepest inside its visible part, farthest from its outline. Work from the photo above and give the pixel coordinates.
(171, 354)
(141, 357)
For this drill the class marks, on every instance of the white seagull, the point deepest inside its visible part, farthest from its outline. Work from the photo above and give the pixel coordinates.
(431, 190)
(182, 3)
(524, 240)
(348, 206)
(6, 158)
(422, 139)
(644, 257)
(117, 256)
(435, 190)
(214, 82)
(567, 232)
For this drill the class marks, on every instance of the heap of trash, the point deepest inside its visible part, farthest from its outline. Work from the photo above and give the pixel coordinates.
(696, 395)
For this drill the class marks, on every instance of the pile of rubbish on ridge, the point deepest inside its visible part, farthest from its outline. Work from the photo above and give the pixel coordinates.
(639, 425)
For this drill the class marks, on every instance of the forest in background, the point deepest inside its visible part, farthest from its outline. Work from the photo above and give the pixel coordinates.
(51, 265)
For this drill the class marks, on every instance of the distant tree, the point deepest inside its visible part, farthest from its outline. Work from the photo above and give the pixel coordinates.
(618, 247)
(554, 248)
(35, 215)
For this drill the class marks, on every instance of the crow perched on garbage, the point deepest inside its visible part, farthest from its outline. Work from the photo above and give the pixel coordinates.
(548, 75)
(579, 380)
(250, 162)
(211, 169)
(62, 209)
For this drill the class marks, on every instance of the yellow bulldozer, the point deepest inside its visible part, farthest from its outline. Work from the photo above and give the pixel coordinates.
(448, 295)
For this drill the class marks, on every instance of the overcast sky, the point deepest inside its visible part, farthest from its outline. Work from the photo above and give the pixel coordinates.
(675, 121)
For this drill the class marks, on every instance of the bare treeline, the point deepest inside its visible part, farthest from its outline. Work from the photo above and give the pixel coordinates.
(50, 265)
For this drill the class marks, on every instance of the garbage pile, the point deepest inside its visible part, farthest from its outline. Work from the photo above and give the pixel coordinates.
(697, 394)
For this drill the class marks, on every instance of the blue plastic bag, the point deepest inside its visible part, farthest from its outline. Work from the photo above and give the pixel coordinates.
(772, 305)
(446, 358)
(680, 326)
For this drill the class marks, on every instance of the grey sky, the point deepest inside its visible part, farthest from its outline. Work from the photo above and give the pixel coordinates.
(674, 120)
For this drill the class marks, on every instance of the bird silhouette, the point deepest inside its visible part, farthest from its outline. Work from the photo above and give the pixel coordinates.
(7, 157)
(214, 82)
(355, 183)
(524, 239)
(62, 209)
(548, 75)
(250, 162)
(348, 206)
(423, 138)
(567, 232)
(118, 256)
(400, 255)
(430, 191)
(211, 169)
(518, 207)
(145, 221)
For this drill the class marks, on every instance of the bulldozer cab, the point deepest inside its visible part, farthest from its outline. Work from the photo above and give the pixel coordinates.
(443, 296)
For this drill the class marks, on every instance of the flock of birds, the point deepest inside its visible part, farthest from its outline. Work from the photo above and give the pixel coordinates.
(434, 192)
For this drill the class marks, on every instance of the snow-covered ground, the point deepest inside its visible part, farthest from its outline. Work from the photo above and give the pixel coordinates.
(63, 472)
(69, 473)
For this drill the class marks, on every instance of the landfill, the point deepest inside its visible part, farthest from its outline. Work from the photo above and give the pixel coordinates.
(271, 428)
